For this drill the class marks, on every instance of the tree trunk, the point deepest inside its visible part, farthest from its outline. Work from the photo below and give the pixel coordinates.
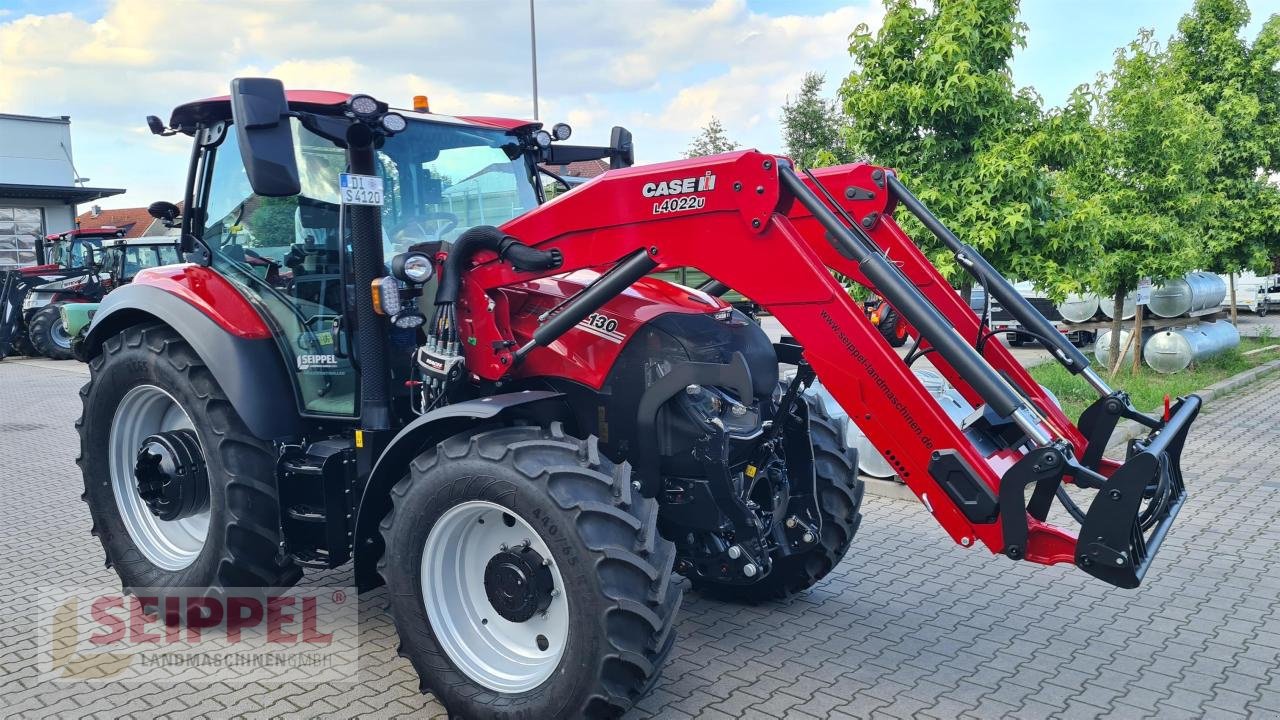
(1117, 324)
(1231, 283)
(1136, 338)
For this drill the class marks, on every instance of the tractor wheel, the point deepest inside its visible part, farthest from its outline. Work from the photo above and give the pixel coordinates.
(22, 345)
(181, 493)
(892, 330)
(526, 578)
(48, 337)
(840, 493)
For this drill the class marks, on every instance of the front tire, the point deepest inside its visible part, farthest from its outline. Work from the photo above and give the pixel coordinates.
(604, 617)
(147, 380)
(47, 335)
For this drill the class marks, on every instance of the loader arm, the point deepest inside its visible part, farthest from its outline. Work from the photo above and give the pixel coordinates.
(750, 222)
(861, 191)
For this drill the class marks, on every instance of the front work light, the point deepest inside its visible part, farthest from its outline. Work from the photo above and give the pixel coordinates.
(414, 267)
(363, 106)
(561, 131)
(394, 122)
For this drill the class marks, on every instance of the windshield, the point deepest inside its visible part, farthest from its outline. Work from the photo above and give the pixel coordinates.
(440, 180)
(70, 253)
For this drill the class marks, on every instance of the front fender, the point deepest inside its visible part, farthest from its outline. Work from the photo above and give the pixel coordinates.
(247, 365)
(538, 406)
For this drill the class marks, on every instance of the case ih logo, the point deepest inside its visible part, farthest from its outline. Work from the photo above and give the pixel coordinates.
(308, 635)
(680, 186)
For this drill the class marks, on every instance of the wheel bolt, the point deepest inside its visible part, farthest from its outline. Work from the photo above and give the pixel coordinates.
(749, 570)
(735, 552)
(791, 521)
(808, 537)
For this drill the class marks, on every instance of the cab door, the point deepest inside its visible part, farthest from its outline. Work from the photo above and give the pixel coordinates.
(284, 254)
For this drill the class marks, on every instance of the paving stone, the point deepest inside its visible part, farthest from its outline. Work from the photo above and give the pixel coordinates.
(908, 625)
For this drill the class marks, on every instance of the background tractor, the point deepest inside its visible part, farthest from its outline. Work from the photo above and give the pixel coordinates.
(523, 434)
(78, 266)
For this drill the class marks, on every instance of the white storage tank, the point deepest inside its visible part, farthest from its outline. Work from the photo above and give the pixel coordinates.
(1171, 351)
(1107, 305)
(1079, 307)
(1102, 348)
(1194, 292)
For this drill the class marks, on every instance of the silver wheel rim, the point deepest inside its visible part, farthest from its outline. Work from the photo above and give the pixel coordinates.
(58, 334)
(167, 544)
(497, 653)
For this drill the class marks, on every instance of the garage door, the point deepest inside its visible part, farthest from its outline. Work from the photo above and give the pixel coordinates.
(20, 228)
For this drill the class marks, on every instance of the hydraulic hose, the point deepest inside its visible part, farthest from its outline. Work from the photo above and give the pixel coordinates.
(487, 237)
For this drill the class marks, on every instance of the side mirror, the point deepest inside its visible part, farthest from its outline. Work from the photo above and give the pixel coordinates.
(622, 152)
(260, 113)
(164, 211)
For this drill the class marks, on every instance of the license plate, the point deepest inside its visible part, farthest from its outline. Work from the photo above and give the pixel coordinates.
(360, 189)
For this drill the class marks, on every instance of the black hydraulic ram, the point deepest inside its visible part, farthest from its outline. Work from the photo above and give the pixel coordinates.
(906, 299)
(1004, 291)
(592, 298)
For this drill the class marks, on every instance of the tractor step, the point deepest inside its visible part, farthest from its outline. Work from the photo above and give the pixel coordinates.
(315, 487)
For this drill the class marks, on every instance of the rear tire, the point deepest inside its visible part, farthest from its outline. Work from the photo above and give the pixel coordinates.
(241, 547)
(618, 596)
(47, 336)
(840, 492)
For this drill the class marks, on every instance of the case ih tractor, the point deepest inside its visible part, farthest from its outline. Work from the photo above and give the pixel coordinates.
(519, 432)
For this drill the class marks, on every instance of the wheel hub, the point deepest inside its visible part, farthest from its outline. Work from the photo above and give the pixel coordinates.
(171, 476)
(518, 583)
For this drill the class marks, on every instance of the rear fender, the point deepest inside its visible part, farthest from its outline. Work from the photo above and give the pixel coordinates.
(247, 364)
(537, 406)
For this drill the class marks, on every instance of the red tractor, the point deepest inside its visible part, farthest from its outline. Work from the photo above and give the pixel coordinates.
(64, 272)
(387, 349)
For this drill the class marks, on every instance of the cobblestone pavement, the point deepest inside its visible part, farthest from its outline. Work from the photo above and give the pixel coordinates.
(909, 625)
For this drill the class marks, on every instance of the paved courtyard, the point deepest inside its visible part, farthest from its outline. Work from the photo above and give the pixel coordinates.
(909, 625)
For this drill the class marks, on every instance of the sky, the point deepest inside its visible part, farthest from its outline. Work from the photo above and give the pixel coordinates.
(661, 68)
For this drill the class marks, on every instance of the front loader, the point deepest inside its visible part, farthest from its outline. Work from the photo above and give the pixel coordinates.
(521, 432)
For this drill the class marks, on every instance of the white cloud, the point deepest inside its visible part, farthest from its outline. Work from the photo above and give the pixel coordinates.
(662, 67)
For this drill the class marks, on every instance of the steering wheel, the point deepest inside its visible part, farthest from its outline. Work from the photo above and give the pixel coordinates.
(449, 219)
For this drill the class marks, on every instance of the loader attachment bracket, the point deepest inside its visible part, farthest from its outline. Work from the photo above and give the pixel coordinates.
(1043, 467)
(1099, 420)
(1120, 535)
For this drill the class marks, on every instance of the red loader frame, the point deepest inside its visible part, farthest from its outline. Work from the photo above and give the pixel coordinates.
(750, 222)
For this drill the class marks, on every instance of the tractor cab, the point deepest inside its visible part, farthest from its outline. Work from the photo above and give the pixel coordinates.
(292, 254)
(67, 250)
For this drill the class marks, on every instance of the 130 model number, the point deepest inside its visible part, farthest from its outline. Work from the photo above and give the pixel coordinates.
(685, 202)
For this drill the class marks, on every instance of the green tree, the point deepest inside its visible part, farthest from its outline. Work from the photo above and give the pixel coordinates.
(711, 140)
(1239, 85)
(812, 127)
(272, 222)
(1137, 174)
(932, 96)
